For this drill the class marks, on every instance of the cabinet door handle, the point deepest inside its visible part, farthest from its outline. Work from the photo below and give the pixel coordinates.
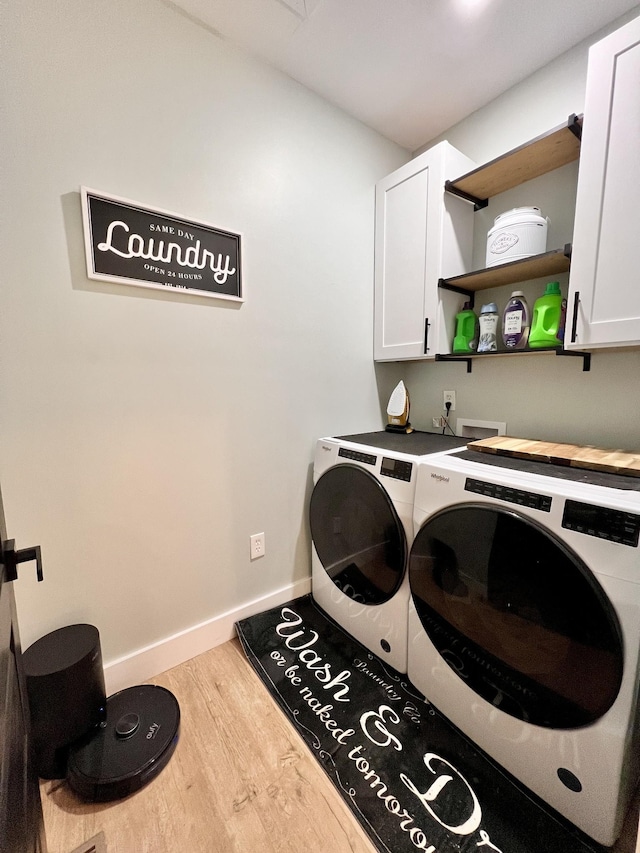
(574, 323)
(11, 558)
(426, 335)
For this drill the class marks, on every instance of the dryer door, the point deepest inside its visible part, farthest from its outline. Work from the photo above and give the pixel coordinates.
(357, 534)
(517, 615)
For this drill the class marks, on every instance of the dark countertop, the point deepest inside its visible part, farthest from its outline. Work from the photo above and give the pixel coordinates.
(416, 443)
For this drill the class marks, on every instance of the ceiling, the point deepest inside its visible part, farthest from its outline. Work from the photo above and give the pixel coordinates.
(407, 68)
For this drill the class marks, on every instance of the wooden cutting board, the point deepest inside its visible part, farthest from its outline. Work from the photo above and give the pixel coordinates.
(576, 456)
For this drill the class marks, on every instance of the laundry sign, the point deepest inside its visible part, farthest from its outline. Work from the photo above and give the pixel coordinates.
(145, 246)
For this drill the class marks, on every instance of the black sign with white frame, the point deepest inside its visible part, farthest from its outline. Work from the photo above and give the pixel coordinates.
(148, 247)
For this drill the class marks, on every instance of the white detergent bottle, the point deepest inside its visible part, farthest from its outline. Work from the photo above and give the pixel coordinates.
(488, 341)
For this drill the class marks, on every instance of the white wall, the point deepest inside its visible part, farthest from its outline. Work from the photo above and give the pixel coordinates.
(145, 435)
(541, 396)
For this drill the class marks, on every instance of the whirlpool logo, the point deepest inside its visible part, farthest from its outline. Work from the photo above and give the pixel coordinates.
(440, 478)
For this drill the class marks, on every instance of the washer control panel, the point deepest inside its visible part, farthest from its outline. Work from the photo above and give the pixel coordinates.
(396, 468)
(358, 456)
(602, 522)
(507, 493)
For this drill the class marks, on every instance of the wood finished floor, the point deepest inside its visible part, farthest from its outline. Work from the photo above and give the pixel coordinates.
(241, 779)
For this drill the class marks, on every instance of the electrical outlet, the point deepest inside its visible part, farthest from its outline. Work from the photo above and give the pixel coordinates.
(449, 397)
(437, 422)
(257, 547)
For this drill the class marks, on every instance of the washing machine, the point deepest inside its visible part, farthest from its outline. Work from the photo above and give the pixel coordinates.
(361, 518)
(524, 623)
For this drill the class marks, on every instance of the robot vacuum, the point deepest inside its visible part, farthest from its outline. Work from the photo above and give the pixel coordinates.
(130, 748)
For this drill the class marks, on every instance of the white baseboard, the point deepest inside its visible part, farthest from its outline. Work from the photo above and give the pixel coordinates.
(139, 666)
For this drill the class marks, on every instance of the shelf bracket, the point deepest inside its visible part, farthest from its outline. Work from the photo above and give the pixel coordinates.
(441, 357)
(585, 356)
(470, 294)
(478, 203)
(575, 125)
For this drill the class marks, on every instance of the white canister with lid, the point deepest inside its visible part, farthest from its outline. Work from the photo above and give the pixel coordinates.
(516, 234)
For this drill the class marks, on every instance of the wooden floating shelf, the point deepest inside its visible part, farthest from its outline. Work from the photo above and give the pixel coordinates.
(461, 355)
(543, 154)
(537, 266)
(468, 357)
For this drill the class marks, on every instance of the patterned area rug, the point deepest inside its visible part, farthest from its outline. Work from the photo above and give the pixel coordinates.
(411, 779)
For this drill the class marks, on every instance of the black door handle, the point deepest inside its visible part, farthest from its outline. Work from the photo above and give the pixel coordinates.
(574, 323)
(11, 558)
(426, 335)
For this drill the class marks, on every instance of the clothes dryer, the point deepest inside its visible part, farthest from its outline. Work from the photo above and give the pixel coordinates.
(361, 518)
(524, 623)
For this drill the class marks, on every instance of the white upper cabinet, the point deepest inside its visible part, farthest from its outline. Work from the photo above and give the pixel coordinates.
(604, 285)
(422, 234)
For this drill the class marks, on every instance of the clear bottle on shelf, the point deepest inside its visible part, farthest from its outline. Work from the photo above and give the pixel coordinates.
(515, 322)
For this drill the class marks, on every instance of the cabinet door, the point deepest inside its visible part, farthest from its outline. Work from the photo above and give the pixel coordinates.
(21, 821)
(604, 293)
(418, 233)
(404, 309)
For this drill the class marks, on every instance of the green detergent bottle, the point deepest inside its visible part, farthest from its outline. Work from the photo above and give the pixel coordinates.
(466, 339)
(549, 312)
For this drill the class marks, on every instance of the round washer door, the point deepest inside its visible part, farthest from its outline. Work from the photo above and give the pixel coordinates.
(357, 534)
(517, 615)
